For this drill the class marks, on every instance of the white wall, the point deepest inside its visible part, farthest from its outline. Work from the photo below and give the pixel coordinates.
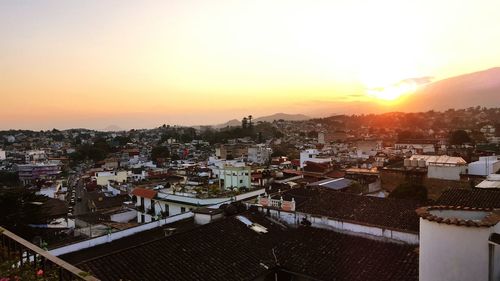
(237, 178)
(206, 218)
(2, 155)
(453, 253)
(116, 235)
(102, 178)
(124, 216)
(329, 223)
(485, 166)
(445, 172)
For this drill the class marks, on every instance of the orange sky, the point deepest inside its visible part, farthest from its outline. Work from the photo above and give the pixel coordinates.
(95, 63)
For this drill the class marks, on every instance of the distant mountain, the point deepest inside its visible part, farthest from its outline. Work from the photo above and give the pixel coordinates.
(284, 116)
(230, 123)
(474, 89)
(113, 128)
(269, 118)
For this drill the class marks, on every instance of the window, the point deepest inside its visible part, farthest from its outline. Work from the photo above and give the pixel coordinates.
(241, 181)
(183, 209)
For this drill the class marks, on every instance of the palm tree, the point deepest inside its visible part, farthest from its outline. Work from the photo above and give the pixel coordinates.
(244, 123)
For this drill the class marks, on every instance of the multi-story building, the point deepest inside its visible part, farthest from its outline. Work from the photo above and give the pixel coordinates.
(34, 156)
(312, 155)
(102, 178)
(157, 204)
(31, 172)
(259, 154)
(235, 177)
(231, 151)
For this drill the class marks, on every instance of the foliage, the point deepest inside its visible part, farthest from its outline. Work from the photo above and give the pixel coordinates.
(95, 152)
(10, 270)
(285, 149)
(356, 187)
(9, 179)
(160, 152)
(410, 190)
(258, 132)
(19, 208)
(404, 135)
(121, 140)
(459, 137)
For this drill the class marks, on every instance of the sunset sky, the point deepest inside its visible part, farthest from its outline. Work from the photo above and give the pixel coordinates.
(139, 64)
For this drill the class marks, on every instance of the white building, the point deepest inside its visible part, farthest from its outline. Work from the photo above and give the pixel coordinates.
(10, 138)
(159, 204)
(441, 166)
(492, 181)
(312, 155)
(488, 129)
(2, 155)
(102, 178)
(137, 176)
(35, 156)
(484, 166)
(259, 154)
(456, 244)
(235, 177)
(416, 146)
(56, 191)
(367, 148)
(321, 138)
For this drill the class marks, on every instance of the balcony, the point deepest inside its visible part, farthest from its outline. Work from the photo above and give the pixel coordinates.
(28, 256)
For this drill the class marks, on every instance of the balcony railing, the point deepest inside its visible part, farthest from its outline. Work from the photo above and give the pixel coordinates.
(13, 247)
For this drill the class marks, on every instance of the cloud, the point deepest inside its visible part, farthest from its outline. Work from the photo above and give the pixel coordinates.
(419, 81)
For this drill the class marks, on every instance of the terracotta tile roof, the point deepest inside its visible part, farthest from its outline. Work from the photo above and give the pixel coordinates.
(103, 202)
(229, 250)
(224, 250)
(145, 193)
(489, 220)
(328, 255)
(335, 174)
(383, 212)
(470, 197)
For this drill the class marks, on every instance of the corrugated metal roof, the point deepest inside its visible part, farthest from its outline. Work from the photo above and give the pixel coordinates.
(336, 184)
(439, 159)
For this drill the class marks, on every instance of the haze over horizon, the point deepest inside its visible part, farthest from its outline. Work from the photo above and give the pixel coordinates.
(139, 65)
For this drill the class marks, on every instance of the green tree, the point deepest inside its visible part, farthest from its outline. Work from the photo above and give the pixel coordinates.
(160, 152)
(410, 190)
(19, 208)
(244, 123)
(459, 137)
(9, 179)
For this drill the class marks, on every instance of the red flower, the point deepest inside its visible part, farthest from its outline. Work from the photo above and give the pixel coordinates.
(39, 272)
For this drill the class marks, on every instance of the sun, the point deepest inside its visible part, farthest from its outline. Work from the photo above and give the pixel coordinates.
(392, 92)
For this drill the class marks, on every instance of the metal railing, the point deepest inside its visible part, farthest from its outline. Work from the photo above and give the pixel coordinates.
(13, 247)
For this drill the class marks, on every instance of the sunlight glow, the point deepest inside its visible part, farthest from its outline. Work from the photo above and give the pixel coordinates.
(392, 92)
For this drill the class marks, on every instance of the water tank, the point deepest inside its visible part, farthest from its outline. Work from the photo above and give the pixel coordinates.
(414, 162)
(421, 163)
(407, 162)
